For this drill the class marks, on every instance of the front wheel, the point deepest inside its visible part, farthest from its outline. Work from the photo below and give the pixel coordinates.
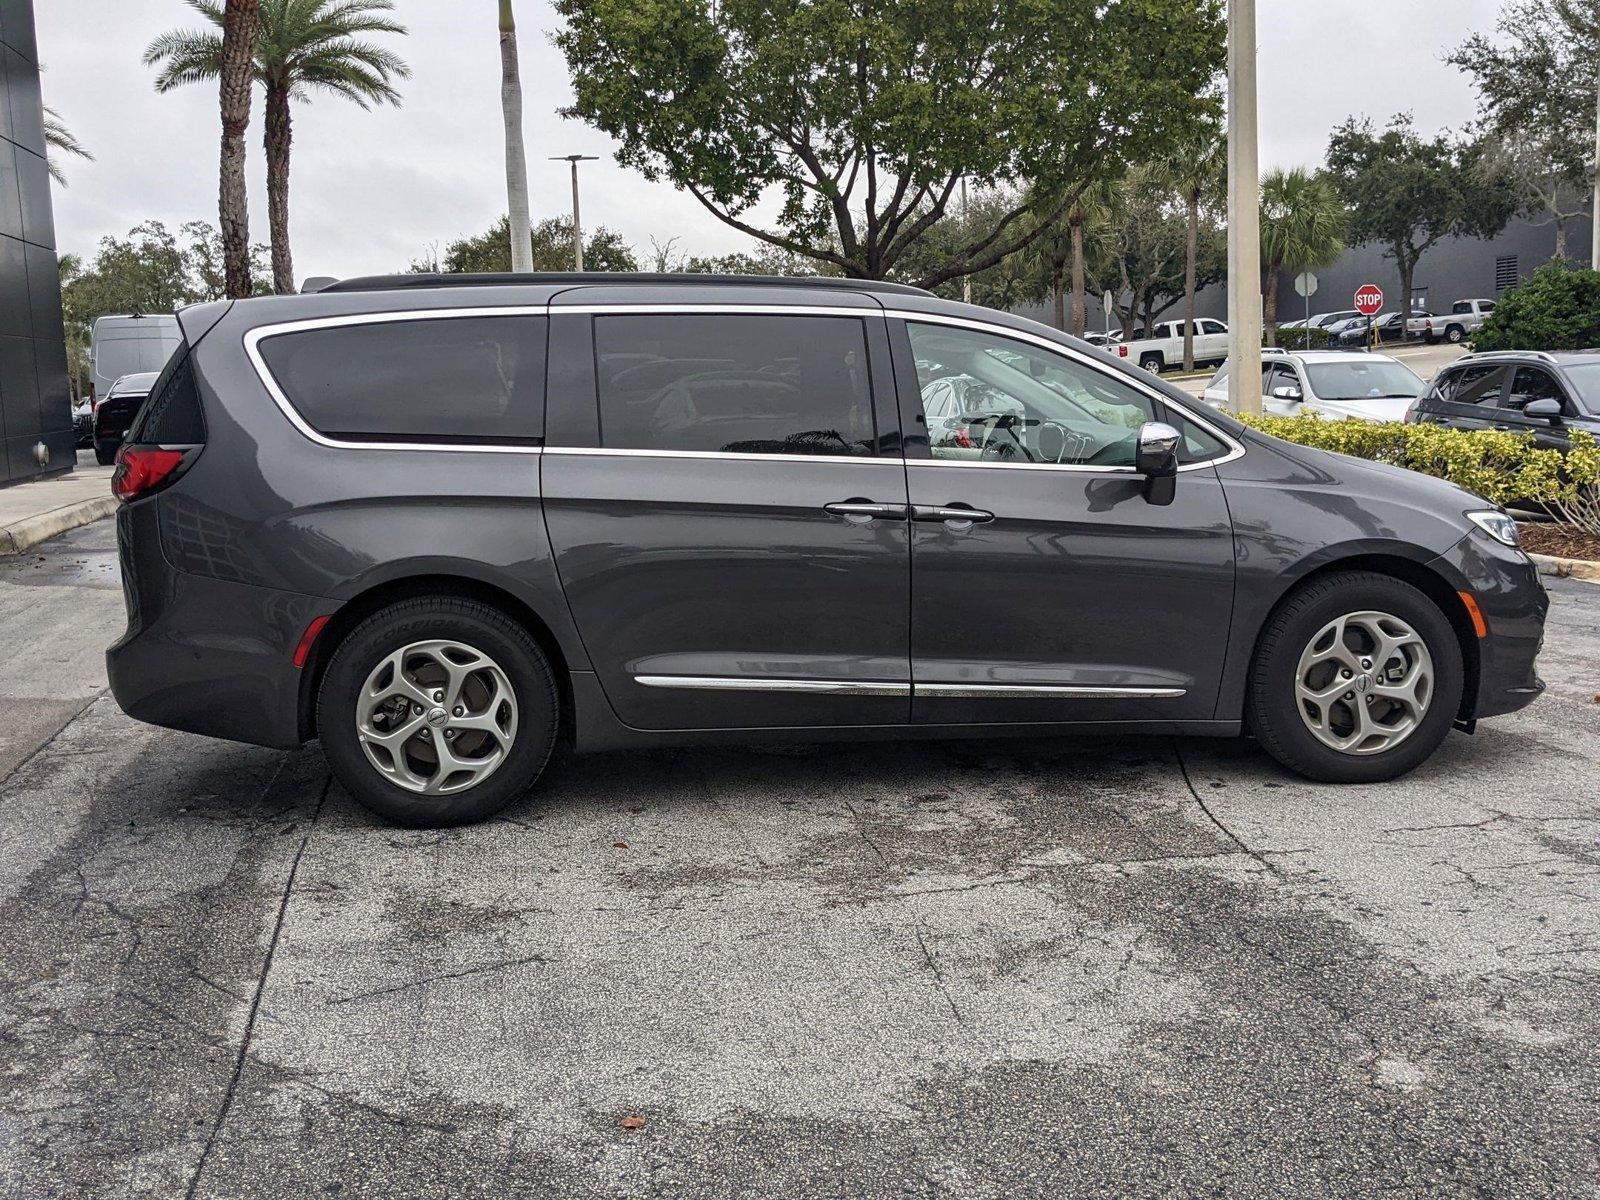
(1357, 679)
(437, 711)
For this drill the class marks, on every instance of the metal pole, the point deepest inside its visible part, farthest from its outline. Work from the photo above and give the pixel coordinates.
(577, 218)
(966, 280)
(1594, 251)
(1244, 213)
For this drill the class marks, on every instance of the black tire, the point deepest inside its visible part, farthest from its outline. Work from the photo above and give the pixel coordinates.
(1153, 363)
(105, 455)
(1455, 335)
(1272, 710)
(449, 617)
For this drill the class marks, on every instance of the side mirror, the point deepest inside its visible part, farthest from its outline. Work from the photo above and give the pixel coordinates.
(1546, 409)
(1286, 391)
(1157, 461)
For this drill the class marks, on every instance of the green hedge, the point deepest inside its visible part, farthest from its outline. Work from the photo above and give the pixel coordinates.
(1303, 339)
(1502, 467)
(1558, 308)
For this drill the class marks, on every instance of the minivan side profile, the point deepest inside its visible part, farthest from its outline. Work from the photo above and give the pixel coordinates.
(440, 522)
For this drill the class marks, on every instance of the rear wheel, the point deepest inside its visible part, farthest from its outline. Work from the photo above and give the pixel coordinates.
(1357, 678)
(1152, 363)
(437, 711)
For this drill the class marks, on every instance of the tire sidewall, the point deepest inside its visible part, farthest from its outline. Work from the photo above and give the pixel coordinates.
(476, 625)
(1275, 714)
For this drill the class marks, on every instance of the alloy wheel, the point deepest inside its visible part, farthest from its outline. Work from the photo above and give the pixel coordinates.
(436, 717)
(1364, 683)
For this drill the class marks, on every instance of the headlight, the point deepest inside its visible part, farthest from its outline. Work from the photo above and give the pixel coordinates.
(1497, 525)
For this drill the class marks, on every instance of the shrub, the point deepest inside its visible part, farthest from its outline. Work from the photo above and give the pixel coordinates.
(1303, 339)
(1558, 308)
(1500, 466)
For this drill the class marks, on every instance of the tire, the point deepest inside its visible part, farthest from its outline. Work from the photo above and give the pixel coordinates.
(1280, 718)
(105, 455)
(1153, 363)
(1455, 335)
(517, 671)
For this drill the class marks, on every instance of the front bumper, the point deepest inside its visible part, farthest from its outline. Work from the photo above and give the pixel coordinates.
(1509, 594)
(205, 655)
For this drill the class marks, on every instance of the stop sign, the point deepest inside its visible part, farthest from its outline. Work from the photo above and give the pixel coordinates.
(1369, 299)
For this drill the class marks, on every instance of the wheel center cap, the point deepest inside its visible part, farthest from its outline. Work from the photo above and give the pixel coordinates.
(438, 716)
(1363, 683)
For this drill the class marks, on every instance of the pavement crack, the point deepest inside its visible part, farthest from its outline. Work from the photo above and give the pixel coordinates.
(938, 975)
(464, 973)
(1177, 750)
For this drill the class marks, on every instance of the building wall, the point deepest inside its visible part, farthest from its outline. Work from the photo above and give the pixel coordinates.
(1455, 269)
(35, 406)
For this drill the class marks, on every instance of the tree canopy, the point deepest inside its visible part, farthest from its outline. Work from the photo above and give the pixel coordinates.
(603, 250)
(860, 117)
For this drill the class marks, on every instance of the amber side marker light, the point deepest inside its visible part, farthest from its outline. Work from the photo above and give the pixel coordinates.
(303, 650)
(1473, 611)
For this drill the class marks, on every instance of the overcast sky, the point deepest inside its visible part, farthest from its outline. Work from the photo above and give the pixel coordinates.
(372, 190)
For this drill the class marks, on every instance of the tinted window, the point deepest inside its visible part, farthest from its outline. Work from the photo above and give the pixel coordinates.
(1212, 327)
(1530, 384)
(997, 399)
(460, 379)
(171, 415)
(1461, 306)
(738, 384)
(1473, 385)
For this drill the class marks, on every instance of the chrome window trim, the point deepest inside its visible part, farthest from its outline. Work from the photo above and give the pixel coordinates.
(252, 348)
(1235, 449)
(721, 683)
(737, 455)
(984, 691)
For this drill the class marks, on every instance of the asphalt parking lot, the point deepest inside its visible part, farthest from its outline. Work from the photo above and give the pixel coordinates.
(1096, 967)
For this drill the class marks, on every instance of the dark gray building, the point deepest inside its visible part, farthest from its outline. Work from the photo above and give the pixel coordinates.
(35, 408)
(1455, 269)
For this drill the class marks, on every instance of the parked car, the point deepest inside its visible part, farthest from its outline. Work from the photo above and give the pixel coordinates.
(1341, 385)
(1103, 340)
(1350, 333)
(1321, 320)
(1527, 391)
(114, 412)
(83, 422)
(127, 345)
(1164, 347)
(441, 522)
(1465, 318)
(1418, 325)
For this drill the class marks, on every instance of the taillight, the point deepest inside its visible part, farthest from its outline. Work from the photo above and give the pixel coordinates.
(1411, 416)
(1122, 352)
(142, 470)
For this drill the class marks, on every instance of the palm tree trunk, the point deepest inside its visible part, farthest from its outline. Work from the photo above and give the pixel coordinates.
(1271, 314)
(1078, 317)
(279, 137)
(240, 21)
(1058, 296)
(516, 154)
(1191, 255)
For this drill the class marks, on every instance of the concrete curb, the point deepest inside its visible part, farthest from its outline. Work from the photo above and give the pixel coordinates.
(1567, 568)
(30, 531)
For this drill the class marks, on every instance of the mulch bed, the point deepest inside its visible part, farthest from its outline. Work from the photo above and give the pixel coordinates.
(1562, 541)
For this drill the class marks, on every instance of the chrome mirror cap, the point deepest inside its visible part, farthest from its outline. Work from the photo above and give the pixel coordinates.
(1157, 461)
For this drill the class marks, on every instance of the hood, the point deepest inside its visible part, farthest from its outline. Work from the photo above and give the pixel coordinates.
(1385, 408)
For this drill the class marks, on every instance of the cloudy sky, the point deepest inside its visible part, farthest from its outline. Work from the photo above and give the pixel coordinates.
(373, 190)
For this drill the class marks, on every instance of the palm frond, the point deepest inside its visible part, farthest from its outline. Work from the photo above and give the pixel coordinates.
(58, 138)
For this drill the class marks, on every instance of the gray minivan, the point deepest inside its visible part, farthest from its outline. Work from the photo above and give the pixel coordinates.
(441, 522)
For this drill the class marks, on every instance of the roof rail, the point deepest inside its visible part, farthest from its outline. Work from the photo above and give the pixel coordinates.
(383, 283)
(1541, 355)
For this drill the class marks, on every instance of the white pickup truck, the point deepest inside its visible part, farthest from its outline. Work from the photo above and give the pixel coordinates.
(1464, 319)
(1165, 348)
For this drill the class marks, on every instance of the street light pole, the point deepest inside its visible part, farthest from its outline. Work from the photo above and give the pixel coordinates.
(1594, 250)
(1244, 213)
(577, 219)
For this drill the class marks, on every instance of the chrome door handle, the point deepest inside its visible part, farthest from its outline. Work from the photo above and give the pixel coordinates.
(859, 512)
(955, 516)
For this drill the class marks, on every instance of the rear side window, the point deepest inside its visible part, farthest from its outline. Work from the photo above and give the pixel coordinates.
(735, 384)
(171, 415)
(452, 380)
(1473, 385)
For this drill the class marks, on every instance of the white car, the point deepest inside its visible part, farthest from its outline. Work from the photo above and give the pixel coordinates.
(1338, 385)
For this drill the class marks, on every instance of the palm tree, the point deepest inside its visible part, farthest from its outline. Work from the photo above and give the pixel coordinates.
(516, 155)
(241, 25)
(1302, 227)
(1198, 170)
(58, 138)
(303, 46)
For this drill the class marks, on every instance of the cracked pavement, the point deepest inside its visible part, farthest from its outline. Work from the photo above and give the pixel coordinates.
(1094, 967)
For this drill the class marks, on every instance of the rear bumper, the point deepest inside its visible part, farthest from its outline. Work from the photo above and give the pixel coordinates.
(1506, 587)
(205, 655)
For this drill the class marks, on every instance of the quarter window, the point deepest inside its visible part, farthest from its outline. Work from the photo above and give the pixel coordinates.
(996, 399)
(456, 379)
(736, 384)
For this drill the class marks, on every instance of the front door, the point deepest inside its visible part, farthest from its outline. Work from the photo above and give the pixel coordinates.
(1045, 587)
(1527, 385)
(727, 509)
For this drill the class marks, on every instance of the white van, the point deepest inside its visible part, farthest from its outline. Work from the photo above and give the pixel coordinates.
(128, 345)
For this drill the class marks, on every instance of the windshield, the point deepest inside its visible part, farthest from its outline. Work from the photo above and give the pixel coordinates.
(1585, 377)
(1369, 379)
